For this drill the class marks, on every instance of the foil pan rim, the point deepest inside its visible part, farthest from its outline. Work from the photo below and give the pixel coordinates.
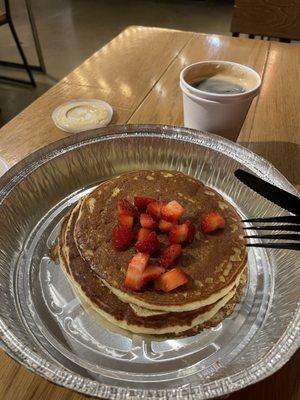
(275, 359)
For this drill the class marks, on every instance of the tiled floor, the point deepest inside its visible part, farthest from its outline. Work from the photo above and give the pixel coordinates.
(71, 30)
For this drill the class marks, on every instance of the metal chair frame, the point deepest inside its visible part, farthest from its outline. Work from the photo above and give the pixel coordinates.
(25, 65)
(252, 36)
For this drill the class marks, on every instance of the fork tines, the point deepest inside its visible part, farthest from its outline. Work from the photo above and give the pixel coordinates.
(293, 219)
(292, 226)
(287, 246)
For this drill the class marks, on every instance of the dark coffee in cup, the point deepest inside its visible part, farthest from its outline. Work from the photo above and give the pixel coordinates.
(218, 85)
(218, 78)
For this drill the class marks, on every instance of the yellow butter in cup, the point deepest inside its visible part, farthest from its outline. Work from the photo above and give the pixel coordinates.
(82, 115)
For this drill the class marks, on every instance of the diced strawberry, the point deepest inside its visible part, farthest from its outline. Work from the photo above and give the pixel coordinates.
(126, 220)
(134, 274)
(142, 233)
(212, 222)
(148, 245)
(171, 280)
(191, 231)
(147, 221)
(142, 202)
(182, 233)
(172, 211)
(124, 207)
(121, 237)
(165, 226)
(170, 254)
(154, 208)
(151, 273)
(178, 234)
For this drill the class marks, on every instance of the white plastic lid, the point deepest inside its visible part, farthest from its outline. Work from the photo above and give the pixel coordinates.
(3, 166)
(82, 115)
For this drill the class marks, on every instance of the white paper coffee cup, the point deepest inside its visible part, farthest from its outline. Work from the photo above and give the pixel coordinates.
(222, 114)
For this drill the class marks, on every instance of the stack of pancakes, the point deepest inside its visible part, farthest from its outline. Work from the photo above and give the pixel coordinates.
(215, 263)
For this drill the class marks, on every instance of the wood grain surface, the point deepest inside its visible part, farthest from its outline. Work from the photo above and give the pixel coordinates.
(275, 131)
(125, 77)
(138, 74)
(275, 18)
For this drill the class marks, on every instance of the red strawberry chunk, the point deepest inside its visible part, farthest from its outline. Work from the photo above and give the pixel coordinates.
(172, 211)
(147, 221)
(121, 237)
(154, 208)
(151, 273)
(170, 254)
(191, 232)
(124, 207)
(165, 226)
(171, 280)
(148, 245)
(178, 234)
(126, 220)
(134, 274)
(142, 202)
(143, 233)
(212, 222)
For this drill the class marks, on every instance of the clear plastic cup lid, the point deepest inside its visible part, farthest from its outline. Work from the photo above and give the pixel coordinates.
(3, 166)
(82, 115)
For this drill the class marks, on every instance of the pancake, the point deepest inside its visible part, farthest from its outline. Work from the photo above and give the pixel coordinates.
(212, 261)
(123, 315)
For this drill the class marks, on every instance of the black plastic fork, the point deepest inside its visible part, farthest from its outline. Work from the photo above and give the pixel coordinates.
(285, 224)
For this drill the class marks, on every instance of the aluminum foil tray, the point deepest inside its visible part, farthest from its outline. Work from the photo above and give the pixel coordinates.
(43, 324)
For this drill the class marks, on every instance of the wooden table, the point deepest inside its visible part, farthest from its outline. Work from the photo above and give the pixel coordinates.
(137, 73)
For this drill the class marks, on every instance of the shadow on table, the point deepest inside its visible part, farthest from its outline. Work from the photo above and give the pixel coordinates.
(284, 384)
(285, 156)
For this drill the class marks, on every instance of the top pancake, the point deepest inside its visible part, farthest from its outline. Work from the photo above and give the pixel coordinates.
(212, 261)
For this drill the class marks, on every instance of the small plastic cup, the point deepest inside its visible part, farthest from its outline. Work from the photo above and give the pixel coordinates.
(80, 115)
(222, 114)
(4, 166)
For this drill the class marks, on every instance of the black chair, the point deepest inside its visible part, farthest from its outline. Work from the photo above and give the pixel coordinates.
(270, 19)
(5, 18)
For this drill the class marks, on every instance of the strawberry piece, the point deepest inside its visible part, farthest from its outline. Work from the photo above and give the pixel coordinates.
(154, 208)
(124, 207)
(171, 280)
(178, 234)
(126, 220)
(142, 202)
(134, 274)
(191, 232)
(182, 233)
(147, 221)
(165, 226)
(148, 245)
(121, 237)
(172, 211)
(170, 254)
(142, 233)
(212, 222)
(151, 273)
